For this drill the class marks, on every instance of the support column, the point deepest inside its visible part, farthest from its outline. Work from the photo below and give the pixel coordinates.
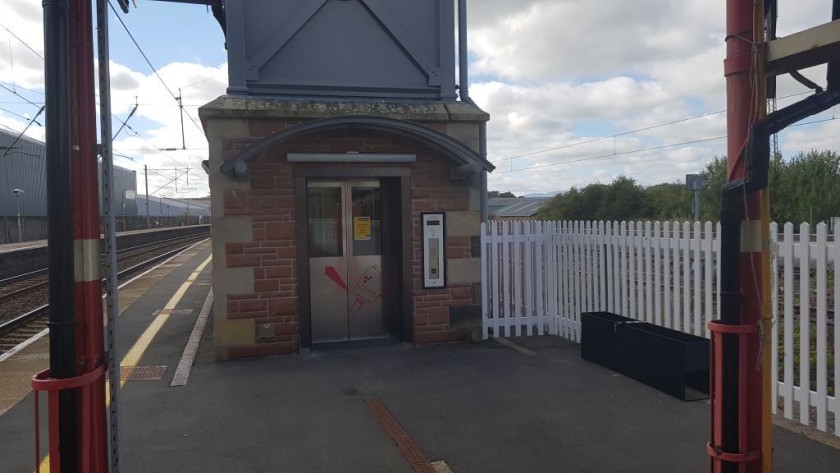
(85, 200)
(738, 401)
(59, 208)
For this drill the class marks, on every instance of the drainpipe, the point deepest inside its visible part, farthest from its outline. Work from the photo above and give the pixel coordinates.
(739, 437)
(463, 59)
(60, 229)
(464, 92)
(482, 149)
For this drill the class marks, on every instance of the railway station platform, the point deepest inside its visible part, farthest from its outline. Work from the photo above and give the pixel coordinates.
(479, 407)
(25, 245)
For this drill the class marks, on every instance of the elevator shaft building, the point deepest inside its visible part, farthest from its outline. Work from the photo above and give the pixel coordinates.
(347, 177)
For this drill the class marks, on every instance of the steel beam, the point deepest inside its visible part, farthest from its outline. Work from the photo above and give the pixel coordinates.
(804, 49)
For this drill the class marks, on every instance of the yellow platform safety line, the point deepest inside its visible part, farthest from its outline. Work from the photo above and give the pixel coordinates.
(139, 348)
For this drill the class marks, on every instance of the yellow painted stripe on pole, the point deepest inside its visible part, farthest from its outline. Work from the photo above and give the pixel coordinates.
(139, 348)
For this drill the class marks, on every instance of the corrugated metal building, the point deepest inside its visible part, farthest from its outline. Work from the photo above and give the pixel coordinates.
(166, 207)
(125, 192)
(23, 166)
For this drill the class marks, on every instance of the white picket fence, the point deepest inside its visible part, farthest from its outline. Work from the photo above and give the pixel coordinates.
(538, 277)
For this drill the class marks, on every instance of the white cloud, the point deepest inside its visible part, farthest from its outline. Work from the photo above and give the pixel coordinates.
(574, 75)
(551, 40)
(199, 84)
(572, 71)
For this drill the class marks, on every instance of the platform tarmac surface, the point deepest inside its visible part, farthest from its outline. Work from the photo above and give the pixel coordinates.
(480, 407)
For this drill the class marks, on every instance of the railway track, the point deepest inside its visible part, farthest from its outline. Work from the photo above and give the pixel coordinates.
(23, 313)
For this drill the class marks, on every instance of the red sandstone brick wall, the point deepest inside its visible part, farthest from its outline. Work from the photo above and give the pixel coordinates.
(273, 253)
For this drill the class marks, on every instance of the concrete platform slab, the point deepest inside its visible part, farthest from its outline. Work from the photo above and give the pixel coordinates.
(479, 407)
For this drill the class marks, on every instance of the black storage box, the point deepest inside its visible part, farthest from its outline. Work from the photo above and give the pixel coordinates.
(673, 362)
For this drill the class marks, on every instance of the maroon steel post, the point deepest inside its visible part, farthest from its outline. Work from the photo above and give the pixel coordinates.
(737, 397)
(90, 347)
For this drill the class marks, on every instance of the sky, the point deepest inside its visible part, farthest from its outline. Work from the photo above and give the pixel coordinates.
(579, 91)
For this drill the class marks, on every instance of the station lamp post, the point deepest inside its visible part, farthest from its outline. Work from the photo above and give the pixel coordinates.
(694, 183)
(18, 192)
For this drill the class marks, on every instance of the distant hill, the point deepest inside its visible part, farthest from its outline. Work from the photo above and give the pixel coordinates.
(544, 194)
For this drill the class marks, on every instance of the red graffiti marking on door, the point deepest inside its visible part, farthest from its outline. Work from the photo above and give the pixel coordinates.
(365, 290)
(332, 273)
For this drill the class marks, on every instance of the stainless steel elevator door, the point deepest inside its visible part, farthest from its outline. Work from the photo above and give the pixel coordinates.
(345, 260)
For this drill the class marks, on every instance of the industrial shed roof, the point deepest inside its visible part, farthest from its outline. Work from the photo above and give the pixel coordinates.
(522, 207)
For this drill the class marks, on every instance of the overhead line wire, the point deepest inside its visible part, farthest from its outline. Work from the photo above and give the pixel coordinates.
(651, 127)
(154, 69)
(652, 148)
(17, 115)
(22, 42)
(9, 149)
(571, 145)
(198, 82)
(7, 102)
(23, 88)
(193, 121)
(142, 53)
(153, 146)
(21, 96)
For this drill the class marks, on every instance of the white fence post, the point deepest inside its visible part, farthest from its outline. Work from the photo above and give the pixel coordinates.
(615, 283)
(485, 278)
(554, 279)
(649, 288)
(774, 304)
(656, 243)
(540, 269)
(835, 255)
(494, 260)
(822, 328)
(632, 275)
(804, 324)
(685, 244)
(696, 272)
(787, 269)
(602, 266)
(667, 282)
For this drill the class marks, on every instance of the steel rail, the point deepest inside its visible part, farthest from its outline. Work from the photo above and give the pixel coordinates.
(9, 326)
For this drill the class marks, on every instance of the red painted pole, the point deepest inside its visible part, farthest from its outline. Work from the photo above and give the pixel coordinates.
(88, 292)
(739, 425)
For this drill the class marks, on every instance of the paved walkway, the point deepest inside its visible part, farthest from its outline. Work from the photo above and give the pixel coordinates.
(478, 407)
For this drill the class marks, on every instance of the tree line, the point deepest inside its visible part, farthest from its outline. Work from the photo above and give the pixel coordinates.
(804, 188)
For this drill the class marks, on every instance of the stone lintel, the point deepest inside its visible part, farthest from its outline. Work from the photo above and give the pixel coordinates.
(235, 127)
(228, 106)
(463, 223)
(463, 271)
